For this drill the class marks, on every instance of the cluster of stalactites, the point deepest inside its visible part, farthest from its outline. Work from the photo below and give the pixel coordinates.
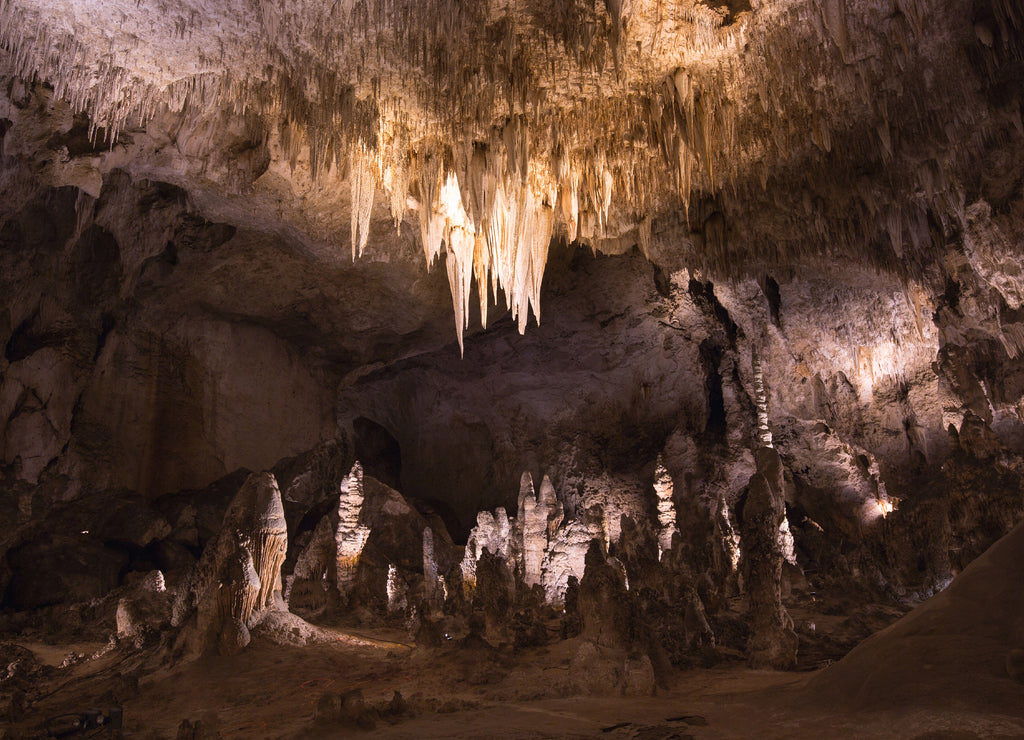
(493, 211)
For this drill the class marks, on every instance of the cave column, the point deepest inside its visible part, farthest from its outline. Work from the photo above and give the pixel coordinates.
(772, 642)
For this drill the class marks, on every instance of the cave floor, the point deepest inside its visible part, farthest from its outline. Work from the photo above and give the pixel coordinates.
(272, 691)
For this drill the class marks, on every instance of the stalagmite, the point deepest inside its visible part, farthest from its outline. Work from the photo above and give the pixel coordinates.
(494, 595)
(269, 543)
(539, 517)
(240, 569)
(764, 432)
(491, 534)
(664, 490)
(236, 600)
(565, 557)
(772, 642)
(396, 589)
(603, 604)
(350, 535)
(534, 522)
(432, 582)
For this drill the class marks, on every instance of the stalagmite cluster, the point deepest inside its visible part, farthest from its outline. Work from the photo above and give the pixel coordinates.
(330, 559)
(539, 545)
(540, 517)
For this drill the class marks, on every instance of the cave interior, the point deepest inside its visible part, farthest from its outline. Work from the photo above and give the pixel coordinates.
(507, 368)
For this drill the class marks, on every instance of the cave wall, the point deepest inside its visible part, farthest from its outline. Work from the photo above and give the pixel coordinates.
(107, 385)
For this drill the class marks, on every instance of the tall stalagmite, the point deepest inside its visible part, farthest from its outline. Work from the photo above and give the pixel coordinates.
(772, 642)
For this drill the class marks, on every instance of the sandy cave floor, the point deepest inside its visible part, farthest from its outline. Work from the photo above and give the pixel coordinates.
(272, 691)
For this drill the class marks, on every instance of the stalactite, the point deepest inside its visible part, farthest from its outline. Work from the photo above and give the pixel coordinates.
(363, 186)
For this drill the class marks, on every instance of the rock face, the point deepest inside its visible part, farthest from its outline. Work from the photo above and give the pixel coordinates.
(51, 570)
(602, 601)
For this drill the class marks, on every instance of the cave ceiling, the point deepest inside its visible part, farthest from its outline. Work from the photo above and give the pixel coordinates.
(728, 137)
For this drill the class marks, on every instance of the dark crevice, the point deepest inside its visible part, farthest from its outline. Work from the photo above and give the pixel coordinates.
(27, 339)
(5, 126)
(378, 452)
(711, 357)
(703, 294)
(107, 324)
(771, 292)
(662, 283)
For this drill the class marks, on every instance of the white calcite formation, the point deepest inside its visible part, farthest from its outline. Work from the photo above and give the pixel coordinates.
(540, 517)
(539, 545)
(764, 432)
(491, 533)
(567, 552)
(594, 135)
(663, 490)
(350, 535)
(397, 591)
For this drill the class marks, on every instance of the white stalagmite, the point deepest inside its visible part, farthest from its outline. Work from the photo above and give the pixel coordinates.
(431, 580)
(539, 518)
(764, 438)
(786, 542)
(350, 536)
(491, 533)
(546, 550)
(396, 591)
(764, 432)
(535, 530)
(664, 490)
(567, 552)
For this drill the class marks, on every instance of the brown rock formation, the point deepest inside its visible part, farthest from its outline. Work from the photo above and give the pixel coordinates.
(226, 589)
